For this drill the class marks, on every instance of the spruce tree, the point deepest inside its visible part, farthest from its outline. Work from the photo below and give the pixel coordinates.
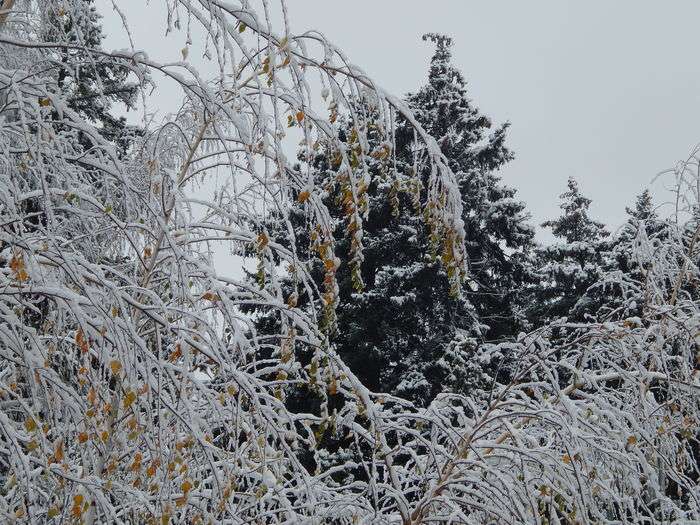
(568, 268)
(624, 285)
(400, 326)
(91, 87)
(640, 217)
(499, 237)
(643, 238)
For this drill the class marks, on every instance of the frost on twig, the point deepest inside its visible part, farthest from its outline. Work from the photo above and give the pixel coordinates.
(131, 383)
(133, 389)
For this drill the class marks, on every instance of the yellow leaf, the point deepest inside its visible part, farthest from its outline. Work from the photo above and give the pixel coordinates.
(300, 116)
(136, 465)
(77, 509)
(53, 512)
(210, 296)
(176, 354)
(116, 366)
(44, 102)
(129, 398)
(92, 396)
(303, 196)
(263, 240)
(151, 470)
(82, 437)
(186, 486)
(632, 440)
(18, 268)
(241, 26)
(566, 459)
(30, 424)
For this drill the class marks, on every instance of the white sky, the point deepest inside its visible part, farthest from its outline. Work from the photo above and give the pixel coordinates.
(608, 92)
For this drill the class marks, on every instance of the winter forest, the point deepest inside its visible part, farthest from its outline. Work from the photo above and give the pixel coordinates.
(396, 346)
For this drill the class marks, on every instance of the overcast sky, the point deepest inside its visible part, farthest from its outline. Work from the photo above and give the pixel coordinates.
(607, 92)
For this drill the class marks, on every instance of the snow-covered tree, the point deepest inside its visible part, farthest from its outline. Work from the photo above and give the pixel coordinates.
(496, 223)
(569, 267)
(141, 397)
(90, 87)
(624, 388)
(137, 396)
(402, 284)
(622, 291)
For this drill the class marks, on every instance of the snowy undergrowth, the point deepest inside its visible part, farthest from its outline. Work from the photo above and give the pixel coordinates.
(110, 312)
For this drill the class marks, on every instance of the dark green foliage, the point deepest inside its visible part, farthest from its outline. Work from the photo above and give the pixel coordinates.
(91, 84)
(641, 240)
(497, 232)
(402, 332)
(570, 267)
(624, 286)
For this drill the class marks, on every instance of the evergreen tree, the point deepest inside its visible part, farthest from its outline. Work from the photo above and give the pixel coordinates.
(498, 234)
(643, 238)
(90, 86)
(620, 292)
(570, 267)
(624, 285)
(400, 326)
(643, 208)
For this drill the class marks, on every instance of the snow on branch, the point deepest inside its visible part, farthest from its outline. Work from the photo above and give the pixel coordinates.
(134, 388)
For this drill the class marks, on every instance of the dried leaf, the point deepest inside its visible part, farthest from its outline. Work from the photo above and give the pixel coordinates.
(129, 398)
(81, 341)
(115, 366)
(30, 424)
